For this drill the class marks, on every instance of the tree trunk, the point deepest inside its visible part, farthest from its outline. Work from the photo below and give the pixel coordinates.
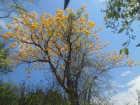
(89, 94)
(74, 98)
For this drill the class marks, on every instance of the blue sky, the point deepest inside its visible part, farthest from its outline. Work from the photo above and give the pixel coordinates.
(125, 78)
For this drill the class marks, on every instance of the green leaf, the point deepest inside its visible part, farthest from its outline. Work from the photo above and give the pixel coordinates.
(125, 43)
(121, 51)
(138, 45)
(131, 29)
(121, 30)
(66, 4)
(126, 51)
(1, 55)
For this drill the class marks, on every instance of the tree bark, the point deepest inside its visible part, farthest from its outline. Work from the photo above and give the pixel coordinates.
(74, 98)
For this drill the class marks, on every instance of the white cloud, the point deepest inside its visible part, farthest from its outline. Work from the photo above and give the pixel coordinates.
(134, 84)
(130, 96)
(126, 73)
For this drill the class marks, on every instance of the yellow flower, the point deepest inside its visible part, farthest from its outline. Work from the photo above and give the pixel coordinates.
(115, 52)
(68, 10)
(106, 44)
(100, 28)
(115, 58)
(10, 34)
(59, 12)
(87, 32)
(121, 57)
(34, 25)
(4, 36)
(8, 26)
(96, 36)
(57, 18)
(84, 8)
(91, 24)
(34, 15)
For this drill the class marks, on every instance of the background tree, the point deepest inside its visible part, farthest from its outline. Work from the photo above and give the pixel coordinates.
(120, 14)
(92, 91)
(65, 44)
(7, 94)
(29, 94)
(4, 68)
(8, 8)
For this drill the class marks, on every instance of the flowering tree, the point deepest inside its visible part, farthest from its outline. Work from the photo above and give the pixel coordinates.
(65, 44)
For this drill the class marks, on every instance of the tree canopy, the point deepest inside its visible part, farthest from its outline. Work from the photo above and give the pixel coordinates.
(66, 44)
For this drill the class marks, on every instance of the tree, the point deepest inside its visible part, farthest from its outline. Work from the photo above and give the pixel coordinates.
(4, 68)
(10, 7)
(42, 93)
(67, 45)
(7, 8)
(7, 94)
(92, 91)
(28, 94)
(120, 14)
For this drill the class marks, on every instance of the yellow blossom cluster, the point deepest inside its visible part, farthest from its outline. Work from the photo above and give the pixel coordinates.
(34, 25)
(116, 60)
(91, 24)
(55, 37)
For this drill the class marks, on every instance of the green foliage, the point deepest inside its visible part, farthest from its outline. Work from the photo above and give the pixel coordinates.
(121, 30)
(138, 45)
(8, 7)
(121, 51)
(4, 60)
(120, 14)
(11, 94)
(4, 68)
(7, 95)
(125, 43)
(55, 95)
(23, 94)
(124, 50)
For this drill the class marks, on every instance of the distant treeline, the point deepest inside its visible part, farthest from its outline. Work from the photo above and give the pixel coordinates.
(23, 94)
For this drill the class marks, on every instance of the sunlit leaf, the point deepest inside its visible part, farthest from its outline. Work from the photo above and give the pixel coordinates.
(126, 51)
(121, 30)
(138, 45)
(125, 43)
(121, 51)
